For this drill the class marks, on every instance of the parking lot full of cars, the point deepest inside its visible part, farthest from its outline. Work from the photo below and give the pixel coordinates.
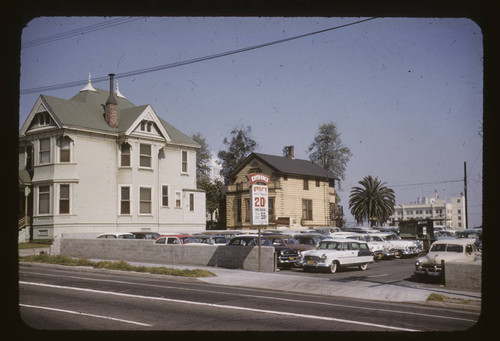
(329, 248)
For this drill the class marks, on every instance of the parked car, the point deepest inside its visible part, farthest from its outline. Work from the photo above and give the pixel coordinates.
(146, 235)
(402, 247)
(116, 235)
(381, 249)
(334, 253)
(288, 241)
(286, 257)
(211, 239)
(176, 239)
(311, 239)
(449, 250)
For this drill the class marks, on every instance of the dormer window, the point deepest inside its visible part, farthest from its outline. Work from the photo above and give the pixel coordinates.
(44, 119)
(146, 126)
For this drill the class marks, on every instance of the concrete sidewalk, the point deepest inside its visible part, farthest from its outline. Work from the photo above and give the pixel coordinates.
(362, 288)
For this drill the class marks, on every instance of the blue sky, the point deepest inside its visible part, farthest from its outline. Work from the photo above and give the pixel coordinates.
(405, 93)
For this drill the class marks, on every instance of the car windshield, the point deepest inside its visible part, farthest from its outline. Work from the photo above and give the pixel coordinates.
(447, 248)
(187, 240)
(126, 236)
(329, 245)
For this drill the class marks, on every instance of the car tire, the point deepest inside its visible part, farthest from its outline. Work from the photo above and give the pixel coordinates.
(398, 254)
(333, 267)
(363, 267)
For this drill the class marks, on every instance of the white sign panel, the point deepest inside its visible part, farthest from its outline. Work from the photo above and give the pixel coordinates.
(259, 214)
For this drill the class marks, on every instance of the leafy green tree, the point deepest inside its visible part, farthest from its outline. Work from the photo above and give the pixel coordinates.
(372, 201)
(327, 150)
(202, 159)
(215, 200)
(239, 146)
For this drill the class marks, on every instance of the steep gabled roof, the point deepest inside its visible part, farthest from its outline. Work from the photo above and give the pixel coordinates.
(287, 166)
(86, 111)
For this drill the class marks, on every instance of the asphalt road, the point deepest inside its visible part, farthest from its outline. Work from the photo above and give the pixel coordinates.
(383, 271)
(54, 299)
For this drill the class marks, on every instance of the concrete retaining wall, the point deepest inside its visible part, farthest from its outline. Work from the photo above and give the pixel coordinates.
(463, 276)
(141, 250)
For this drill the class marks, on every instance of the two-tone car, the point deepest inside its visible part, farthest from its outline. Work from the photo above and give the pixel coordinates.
(334, 253)
(461, 250)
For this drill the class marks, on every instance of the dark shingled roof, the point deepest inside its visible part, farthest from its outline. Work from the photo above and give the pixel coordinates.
(286, 165)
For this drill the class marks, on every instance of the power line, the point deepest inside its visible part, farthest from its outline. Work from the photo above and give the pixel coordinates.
(83, 30)
(428, 183)
(186, 62)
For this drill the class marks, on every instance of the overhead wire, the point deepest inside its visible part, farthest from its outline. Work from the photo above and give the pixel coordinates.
(185, 62)
(75, 32)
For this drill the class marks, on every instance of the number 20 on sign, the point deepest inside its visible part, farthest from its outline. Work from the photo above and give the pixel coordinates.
(259, 211)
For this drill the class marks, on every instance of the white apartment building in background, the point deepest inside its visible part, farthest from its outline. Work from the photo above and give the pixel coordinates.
(450, 215)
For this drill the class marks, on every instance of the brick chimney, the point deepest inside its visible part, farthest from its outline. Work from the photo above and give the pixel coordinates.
(111, 108)
(290, 152)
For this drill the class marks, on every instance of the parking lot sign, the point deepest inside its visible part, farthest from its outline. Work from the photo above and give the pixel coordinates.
(259, 199)
(259, 213)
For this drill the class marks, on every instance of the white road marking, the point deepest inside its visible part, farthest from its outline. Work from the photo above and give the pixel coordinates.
(273, 298)
(382, 275)
(85, 314)
(222, 306)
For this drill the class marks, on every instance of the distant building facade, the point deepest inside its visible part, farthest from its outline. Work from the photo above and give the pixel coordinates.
(451, 215)
(98, 163)
(300, 193)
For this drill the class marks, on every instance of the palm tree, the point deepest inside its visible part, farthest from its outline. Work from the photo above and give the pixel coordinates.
(373, 201)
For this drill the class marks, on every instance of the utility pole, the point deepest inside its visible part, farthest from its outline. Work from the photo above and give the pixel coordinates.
(465, 193)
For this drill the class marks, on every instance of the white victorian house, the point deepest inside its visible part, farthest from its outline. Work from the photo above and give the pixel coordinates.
(98, 163)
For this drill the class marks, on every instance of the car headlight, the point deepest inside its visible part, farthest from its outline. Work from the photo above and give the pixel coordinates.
(322, 259)
(418, 265)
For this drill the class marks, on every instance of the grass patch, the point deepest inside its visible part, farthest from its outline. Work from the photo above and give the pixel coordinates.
(436, 297)
(115, 265)
(37, 243)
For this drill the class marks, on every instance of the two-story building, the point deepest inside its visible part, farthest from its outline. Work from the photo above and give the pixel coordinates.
(300, 193)
(98, 163)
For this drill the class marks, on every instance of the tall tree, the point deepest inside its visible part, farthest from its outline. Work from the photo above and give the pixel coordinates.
(202, 159)
(372, 201)
(239, 146)
(327, 150)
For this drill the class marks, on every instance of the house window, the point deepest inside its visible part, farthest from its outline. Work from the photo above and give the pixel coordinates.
(44, 200)
(307, 210)
(64, 149)
(247, 210)
(125, 155)
(125, 200)
(317, 182)
(164, 196)
(44, 151)
(191, 202)
(146, 126)
(145, 159)
(44, 119)
(145, 200)
(178, 199)
(238, 210)
(63, 199)
(29, 157)
(306, 184)
(184, 161)
(271, 209)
